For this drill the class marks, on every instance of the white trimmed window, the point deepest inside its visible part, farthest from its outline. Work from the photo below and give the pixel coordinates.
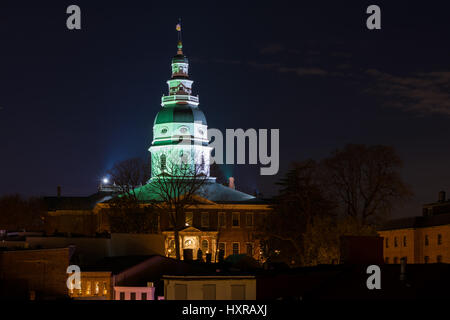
(249, 219)
(236, 248)
(222, 219)
(236, 220)
(205, 219)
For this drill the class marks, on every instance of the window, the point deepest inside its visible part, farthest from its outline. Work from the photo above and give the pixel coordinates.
(169, 220)
(222, 247)
(249, 219)
(88, 288)
(163, 162)
(387, 242)
(237, 292)
(404, 258)
(426, 240)
(236, 218)
(122, 296)
(205, 219)
(404, 241)
(133, 296)
(426, 259)
(205, 246)
(171, 246)
(386, 260)
(202, 163)
(97, 287)
(439, 239)
(188, 219)
(144, 296)
(395, 242)
(439, 259)
(180, 292)
(249, 249)
(209, 292)
(105, 289)
(235, 247)
(184, 130)
(222, 219)
(395, 260)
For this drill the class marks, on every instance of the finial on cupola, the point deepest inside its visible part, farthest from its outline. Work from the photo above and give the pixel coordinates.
(180, 44)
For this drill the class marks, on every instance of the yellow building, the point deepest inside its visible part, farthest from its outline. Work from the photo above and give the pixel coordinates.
(423, 239)
(94, 285)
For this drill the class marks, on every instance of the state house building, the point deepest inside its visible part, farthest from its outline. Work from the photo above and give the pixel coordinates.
(222, 217)
(422, 239)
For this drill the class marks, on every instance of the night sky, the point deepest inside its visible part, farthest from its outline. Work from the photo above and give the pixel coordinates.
(72, 103)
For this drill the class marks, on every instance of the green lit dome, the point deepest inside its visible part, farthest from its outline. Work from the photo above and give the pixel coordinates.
(180, 113)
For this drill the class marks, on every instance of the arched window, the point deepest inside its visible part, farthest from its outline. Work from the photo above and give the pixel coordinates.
(205, 246)
(163, 162)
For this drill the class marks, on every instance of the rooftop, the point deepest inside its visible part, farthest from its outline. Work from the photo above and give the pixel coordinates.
(417, 222)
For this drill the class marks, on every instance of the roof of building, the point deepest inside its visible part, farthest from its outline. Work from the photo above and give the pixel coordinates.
(416, 222)
(116, 264)
(76, 203)
(210, 190)
(180, 113)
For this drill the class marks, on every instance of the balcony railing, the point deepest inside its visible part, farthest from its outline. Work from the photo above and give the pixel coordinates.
(179, 97)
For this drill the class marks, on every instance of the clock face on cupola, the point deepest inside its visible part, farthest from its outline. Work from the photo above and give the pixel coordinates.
(180, 128)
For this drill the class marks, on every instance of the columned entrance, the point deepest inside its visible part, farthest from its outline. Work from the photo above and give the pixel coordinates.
(194, 239)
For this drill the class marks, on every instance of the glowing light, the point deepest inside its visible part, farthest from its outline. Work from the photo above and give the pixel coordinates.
(105, 180)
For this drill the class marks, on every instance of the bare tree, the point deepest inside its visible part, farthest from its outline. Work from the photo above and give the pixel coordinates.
(177, 188)
(365, 180)
(128, 175)
(321, 239)
(300, 200)
(126, 212)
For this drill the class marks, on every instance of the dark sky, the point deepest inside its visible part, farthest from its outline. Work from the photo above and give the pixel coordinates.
(72, 103)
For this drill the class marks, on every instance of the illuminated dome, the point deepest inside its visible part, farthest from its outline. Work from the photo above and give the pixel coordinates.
(180, 113)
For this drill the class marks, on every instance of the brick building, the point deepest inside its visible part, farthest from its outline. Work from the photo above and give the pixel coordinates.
(34, 274)
(422, 239)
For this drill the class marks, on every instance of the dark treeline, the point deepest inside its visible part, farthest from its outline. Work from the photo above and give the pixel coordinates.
(351, 192)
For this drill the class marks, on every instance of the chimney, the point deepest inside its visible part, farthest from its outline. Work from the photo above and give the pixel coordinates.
(58, 191)
(231, 183)
(441, 196)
